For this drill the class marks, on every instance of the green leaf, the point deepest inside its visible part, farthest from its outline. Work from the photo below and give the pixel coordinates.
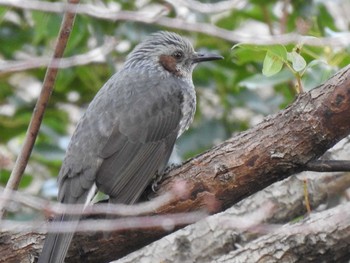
(275, 56)
(242, 56)
(253, 53)
(272, 64)
(257, 81)
(278, 51)
(298, 62)
(314, 63)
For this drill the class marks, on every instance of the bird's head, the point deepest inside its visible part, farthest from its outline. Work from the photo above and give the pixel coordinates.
(168, 52)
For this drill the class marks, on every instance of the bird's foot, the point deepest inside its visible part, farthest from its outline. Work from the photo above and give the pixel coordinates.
(159, 177)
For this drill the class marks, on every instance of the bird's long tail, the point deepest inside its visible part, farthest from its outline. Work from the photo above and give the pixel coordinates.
(56, 244)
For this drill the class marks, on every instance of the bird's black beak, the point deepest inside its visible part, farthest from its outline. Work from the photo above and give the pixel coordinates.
(200, 57)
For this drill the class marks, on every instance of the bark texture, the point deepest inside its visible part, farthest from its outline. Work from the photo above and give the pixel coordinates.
(323, 237)
(210, 239)
(279, 146)
(276, 148)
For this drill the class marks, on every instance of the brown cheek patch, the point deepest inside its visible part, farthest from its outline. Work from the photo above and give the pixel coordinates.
(169, 64)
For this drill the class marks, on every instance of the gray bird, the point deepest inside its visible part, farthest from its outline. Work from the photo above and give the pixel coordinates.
(128, 132)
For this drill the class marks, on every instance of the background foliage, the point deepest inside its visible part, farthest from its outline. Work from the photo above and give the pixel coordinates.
(233, 94)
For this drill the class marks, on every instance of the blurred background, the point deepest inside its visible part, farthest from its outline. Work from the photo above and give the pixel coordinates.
(232, 94)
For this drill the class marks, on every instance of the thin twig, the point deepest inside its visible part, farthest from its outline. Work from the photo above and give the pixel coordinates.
(93, 55)
(328, 166)
(167, 222)
(107, 13)
(40, 108)
(43, 205)
(210, 8)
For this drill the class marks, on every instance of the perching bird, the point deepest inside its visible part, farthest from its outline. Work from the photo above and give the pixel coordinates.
(128, 132)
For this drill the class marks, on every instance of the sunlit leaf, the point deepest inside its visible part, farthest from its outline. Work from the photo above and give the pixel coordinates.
(272, 64)
(278, 51)
(248, 52)
(298, 62)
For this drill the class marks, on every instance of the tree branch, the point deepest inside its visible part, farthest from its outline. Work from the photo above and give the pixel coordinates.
(93, 55)
(305, 241)
(39, 109)
(328, 166)
(281, 145)
(219, 234)
(210, 8)
(107, 13)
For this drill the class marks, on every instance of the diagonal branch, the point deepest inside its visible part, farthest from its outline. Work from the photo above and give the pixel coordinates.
(278, 147)
(218, 234)
(39, 110)
(283, 144)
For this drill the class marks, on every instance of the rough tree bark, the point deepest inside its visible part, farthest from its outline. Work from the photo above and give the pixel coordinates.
(276, 148)
(323, 237)
(219, 236)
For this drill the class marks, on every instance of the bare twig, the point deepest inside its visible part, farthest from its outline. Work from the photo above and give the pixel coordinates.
(328, 166)
(40, 107)
(168, 222)
(210, 8)
(93, 55)
(43, 205)
(340, 40)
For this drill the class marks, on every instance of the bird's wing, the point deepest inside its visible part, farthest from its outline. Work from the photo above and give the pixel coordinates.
(142, 139)
(125, 137)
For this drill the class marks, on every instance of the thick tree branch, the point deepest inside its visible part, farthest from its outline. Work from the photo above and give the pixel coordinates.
(222, 233)
(281, 145)
(323, 237)
(215, 235)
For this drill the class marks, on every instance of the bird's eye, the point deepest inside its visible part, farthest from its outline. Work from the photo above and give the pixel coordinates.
(177, 54)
